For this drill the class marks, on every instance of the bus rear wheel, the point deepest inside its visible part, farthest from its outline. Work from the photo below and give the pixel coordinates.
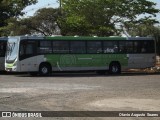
(44, 69)
(114, 68)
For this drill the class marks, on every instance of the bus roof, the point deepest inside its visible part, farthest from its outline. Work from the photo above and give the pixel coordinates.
(99, 38)
(81, 38)
(85, 38)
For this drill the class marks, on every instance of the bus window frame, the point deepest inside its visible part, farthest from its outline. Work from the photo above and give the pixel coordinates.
(25, 42)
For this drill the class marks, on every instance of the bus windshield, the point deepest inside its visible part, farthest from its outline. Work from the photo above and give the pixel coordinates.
(12, 50)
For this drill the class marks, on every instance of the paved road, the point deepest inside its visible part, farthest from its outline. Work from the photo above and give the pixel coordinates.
(80, 92)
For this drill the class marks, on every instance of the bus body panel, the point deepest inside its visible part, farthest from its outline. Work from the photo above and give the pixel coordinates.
(137, 61)
(70, 62)
(31, 63)
(99, 60)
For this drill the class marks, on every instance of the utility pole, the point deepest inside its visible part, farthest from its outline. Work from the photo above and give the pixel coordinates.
(60, 8)
(60, 5)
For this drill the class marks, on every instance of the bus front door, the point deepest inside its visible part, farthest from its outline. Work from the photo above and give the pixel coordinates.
(28, 60)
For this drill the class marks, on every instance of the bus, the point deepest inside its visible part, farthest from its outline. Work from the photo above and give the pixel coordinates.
(43, 55)
(3, 44)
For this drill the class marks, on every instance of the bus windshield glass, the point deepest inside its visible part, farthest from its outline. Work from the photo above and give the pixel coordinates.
(12, 50)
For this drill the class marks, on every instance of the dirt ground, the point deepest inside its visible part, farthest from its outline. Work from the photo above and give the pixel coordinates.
(81, 92)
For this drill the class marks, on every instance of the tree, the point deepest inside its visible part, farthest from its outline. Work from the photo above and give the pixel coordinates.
(101, 17)
(12, 8)
(44, 21)
(16, 26)
(144, 29)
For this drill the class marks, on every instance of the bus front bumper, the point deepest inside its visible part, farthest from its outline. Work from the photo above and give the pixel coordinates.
(13, 69)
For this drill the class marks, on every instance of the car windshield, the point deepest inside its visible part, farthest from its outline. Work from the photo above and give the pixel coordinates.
(12, 49)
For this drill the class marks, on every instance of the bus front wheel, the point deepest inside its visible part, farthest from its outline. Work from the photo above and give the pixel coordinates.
(114, 68)
(44, 69)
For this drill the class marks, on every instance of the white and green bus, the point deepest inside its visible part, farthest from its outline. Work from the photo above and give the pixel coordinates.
(44, 55)
(3, 44)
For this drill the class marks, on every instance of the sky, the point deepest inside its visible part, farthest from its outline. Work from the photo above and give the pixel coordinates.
(30, 10)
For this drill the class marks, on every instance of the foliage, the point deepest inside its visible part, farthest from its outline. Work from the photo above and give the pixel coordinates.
(15, 27)
(144, 27)
(147, 28)
(101, 17)
(12, 8)
(45, 21)
(81, 17)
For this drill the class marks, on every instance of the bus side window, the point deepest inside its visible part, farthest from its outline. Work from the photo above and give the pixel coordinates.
(110, 47)
(94, 47)
(143, 50)
(150, 47)
(21, 50)
(135, 45)
(144, 46)
(126, 47)
(122, 47)
(29, 49)
(1, 49)
(129, 47)
(78, 47)
(45, 47)
(61, 47)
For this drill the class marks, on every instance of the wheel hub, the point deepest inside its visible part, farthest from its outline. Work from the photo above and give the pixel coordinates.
(44, 70)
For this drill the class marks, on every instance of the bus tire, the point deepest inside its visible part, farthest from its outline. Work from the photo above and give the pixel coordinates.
(115, 68)
(45, 69)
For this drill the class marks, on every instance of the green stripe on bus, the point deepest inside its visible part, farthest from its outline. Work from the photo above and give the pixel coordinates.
(86, 60)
